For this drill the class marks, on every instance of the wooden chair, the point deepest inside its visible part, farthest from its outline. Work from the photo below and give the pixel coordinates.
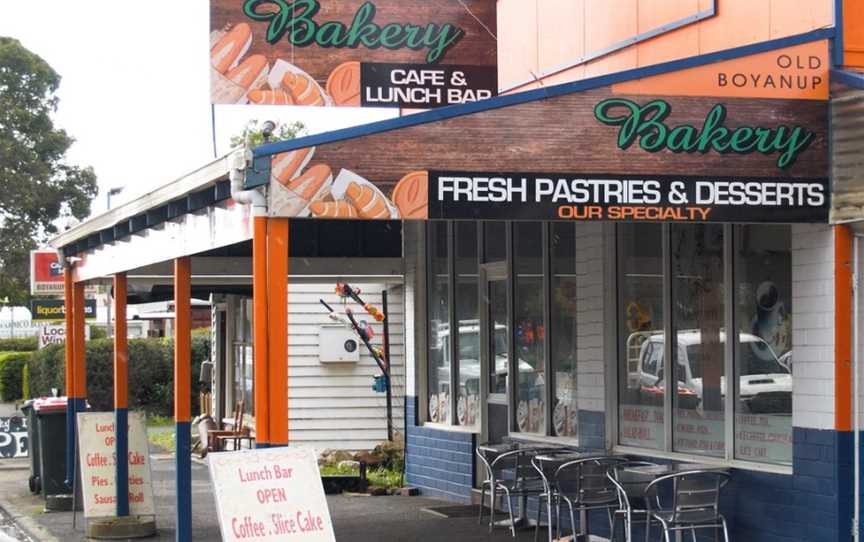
(217, 439)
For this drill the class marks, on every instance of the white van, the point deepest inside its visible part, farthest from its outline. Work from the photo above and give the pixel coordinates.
(765, 384)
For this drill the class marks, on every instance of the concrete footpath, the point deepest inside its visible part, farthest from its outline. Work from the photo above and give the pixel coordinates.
(356, 518)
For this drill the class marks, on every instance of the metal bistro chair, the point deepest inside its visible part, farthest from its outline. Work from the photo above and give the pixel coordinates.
(546, 465)
(583, 485)
(631, 496)
(695, 502)
(508, 474)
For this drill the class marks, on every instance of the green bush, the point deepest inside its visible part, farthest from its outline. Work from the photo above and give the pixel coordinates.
(151, 372)
(19, 344)
(11, 369)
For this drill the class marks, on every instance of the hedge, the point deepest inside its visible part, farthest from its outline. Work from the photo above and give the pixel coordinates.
(19, 344)
(151, 372)
(11, 375)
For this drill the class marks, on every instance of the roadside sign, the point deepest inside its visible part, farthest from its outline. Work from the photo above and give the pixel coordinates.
(46, 274)
(13, 437)
(270, 494)
(56, 334)
(55, 309)
(96, 439)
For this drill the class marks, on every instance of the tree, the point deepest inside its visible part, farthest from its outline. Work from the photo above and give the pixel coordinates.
(37, 185)
(283, 132)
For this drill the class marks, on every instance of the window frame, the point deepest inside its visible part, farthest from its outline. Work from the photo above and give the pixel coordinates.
(731, 232)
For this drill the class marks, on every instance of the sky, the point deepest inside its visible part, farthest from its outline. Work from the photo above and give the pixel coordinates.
(135, 89)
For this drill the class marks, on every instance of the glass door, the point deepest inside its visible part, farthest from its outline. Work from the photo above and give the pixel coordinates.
(496, 348)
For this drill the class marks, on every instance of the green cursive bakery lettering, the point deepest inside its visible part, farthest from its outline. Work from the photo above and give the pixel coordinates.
(296, 18)
(645, 123)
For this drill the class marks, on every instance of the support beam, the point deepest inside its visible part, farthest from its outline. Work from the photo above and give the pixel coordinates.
(79, 363)
(70, 375)
(260, 332)
(183, 396)
(121, 395)
(277, 325)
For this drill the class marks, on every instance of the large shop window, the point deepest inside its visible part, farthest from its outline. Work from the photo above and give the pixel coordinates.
(244, 375)
(534, 314)
(685, 271)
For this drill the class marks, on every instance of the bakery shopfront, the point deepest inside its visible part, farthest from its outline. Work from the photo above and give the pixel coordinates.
(555, 241)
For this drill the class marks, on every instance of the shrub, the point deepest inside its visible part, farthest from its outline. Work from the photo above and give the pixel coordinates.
(11, 369)
(19, 344)
(151, 372)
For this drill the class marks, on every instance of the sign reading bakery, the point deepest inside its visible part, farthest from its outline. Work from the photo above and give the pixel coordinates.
(373, 53)
(591, 155)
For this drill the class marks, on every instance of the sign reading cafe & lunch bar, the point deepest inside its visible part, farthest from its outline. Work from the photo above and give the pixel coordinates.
(375, 53)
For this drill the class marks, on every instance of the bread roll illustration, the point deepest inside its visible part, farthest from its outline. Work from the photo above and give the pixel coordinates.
(364, 195)
(230, 47)
(333, 209)
(343, 85)
(369, 203)
(248, 72)
(270, 97)
(303, 89)
(309, 185)
(288, 165)
(411, 195)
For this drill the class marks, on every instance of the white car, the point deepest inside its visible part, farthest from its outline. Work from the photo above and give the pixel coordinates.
(765, 383)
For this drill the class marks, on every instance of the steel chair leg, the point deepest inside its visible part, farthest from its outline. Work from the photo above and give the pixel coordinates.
(512, 519)
(648, 528)
(494, 495)
(693, 533)
(549, 514)
(725, 530)
(482, 498)
(537, 526)
(612, 530)
(572, 520)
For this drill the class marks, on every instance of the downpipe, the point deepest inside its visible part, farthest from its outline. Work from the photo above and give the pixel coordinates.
(238, 161)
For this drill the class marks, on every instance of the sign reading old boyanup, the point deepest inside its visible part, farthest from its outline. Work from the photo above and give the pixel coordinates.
(375, 53)
(97, 438)
(270, 494)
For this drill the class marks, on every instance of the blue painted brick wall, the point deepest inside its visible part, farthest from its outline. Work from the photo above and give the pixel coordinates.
(439, 463)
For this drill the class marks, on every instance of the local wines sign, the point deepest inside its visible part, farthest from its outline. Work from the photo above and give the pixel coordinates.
(374, 53)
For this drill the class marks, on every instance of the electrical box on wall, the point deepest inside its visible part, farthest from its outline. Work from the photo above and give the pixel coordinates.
(338, 344)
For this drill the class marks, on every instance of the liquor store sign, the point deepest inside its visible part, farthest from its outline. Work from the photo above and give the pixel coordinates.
(381, 53)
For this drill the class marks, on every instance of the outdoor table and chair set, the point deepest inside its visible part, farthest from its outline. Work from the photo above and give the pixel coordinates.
(674, 497)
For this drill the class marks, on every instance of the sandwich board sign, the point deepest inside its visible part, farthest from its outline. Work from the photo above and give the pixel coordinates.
(96, 437)
(270, 494)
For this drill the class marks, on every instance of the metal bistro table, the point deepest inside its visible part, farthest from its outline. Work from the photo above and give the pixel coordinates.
(529, 450)
(658, 471)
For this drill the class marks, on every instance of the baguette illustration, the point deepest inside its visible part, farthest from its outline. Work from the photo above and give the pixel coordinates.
(230, 47)
(233, 86)
(288, 165)
(411, 195)
(270, 97)
(364, 194)
(292, 198)
(249, 72)
(343, 85)
(333, 209)
(304, 90)
(369, 203)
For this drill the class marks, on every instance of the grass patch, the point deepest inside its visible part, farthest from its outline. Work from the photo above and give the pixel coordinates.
(155, 420)
(378, 477)
(163, 439)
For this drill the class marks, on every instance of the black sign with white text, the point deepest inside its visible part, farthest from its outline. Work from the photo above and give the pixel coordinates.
(422, 86)
(628, 198)
(54, 309)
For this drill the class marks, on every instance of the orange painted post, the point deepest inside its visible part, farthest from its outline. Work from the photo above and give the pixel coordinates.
(78, 401)
(183, 395)
(842, 328)
(260, 332)
(277, 294)
(121, 395)
(69, 309)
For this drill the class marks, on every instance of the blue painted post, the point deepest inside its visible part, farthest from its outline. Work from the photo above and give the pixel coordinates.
(183, 395)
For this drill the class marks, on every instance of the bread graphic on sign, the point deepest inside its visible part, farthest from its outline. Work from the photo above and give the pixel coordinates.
(302, 88)
(411, 195)
(292, 190)
(343, 85)
(231, 76)
(270, 97)
(333, 209)
(367, 198)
